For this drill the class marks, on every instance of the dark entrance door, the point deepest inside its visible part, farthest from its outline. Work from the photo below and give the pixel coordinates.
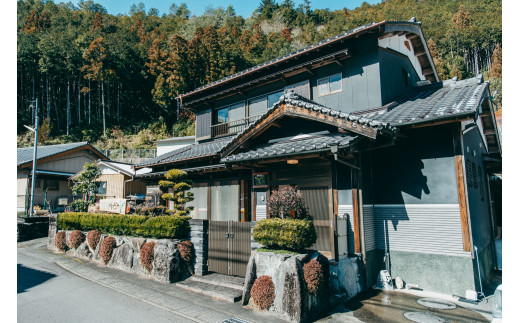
(229, 247)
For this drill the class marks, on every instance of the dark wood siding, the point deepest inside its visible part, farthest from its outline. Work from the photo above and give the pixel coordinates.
(203, 125)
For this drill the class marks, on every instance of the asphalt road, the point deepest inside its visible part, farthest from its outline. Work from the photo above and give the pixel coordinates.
(48, 293)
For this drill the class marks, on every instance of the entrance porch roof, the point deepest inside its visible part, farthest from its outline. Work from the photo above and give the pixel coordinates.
(294, 147)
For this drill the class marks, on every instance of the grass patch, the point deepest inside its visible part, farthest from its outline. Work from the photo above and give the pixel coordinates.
(278, 251)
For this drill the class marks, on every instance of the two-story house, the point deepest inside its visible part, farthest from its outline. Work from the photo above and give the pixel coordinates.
(361, 124)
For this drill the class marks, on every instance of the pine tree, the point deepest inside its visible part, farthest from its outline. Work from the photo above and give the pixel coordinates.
(177, 181)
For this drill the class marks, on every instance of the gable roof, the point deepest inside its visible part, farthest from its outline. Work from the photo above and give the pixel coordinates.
(25, 155)
(197, 150)
(272, 68)
(294, 146)
(293, 104)
(441, 100)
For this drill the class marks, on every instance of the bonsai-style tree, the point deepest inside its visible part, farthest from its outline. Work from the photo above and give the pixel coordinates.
(86, 186)
(177, 179)
(287, 203)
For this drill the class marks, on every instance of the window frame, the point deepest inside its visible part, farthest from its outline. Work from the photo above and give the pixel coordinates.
(46, 185)
(97, 189)
(329, 84)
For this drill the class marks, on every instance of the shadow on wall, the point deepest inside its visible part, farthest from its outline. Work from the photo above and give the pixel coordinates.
(28, 278)
(396, 178)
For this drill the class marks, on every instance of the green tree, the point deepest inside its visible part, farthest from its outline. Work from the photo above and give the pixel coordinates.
(177, 180)
(85, 183)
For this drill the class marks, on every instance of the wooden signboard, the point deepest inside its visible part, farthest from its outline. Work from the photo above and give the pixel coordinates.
(113, 205)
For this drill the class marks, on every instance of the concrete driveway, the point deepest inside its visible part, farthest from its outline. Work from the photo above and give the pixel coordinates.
(394, 306)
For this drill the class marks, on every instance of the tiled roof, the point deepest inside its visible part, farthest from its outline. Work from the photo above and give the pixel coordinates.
(289, 97)
(24, 155)
(293, 147)
(440, 100)
(288, 56)
(188, 152)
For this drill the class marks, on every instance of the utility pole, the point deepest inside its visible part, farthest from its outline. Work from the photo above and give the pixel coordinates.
(33, 179)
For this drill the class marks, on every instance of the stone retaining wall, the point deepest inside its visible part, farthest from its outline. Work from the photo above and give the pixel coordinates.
(167, 265)
(292, 300)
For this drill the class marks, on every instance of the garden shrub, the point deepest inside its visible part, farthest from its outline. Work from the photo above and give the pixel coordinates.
(287, 203)
(76, 238)
(107, 247)
(159, 227)
(60, 241)
(153, 210)
(262, 292)
(79, 206)
(186, 250)
(289, 234)
(147, 255)
(313, 275)
(93, 237)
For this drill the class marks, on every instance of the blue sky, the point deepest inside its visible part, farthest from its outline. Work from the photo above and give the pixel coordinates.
(242, 7)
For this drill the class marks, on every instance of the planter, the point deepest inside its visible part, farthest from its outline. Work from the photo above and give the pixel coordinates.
(167, 265)
(292, 300)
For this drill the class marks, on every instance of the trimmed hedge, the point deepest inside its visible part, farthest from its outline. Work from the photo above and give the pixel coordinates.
(262, 292)
(313, 275)
(147, 255)
(93, 237)
(76, 238)
(60, 241)
(107, 247)
(160, 227)
(289, 234)
(186, 250)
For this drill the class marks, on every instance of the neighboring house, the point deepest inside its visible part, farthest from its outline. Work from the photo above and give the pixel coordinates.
(117, 179)
(166, 145)
(362, 125)
(54, 165)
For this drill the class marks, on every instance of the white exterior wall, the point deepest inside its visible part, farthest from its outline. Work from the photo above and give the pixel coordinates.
(164, 147)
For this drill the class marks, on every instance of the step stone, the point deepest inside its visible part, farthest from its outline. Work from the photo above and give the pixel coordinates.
(218, 292)
(221, 280)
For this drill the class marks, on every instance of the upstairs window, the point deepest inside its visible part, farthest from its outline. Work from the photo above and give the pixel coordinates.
(259, 105)
(330, 84)
(230, 113)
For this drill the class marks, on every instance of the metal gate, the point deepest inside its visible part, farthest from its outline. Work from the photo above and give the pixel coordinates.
(229, 247)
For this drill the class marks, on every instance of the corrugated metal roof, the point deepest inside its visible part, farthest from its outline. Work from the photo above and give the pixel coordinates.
(188, 152)
(24, 155)
(293, 147)
(447, 99)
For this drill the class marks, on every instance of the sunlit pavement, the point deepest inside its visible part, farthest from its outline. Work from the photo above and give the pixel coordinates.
(392, 306)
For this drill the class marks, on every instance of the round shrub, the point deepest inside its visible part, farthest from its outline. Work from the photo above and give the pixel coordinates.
(93, 237)
(147, 255)
(313, 275)
(107, 247)
(262, 292)
(292, 234)
(185, 250)
(60, 241)
(76, 238)
(287, 203)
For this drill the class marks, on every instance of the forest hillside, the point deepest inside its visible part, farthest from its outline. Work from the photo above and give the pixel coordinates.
(111, 79)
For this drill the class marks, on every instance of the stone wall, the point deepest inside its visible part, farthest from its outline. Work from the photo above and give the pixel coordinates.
(167, 265)
(199, 238)
(345, 278)
(292, 300)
